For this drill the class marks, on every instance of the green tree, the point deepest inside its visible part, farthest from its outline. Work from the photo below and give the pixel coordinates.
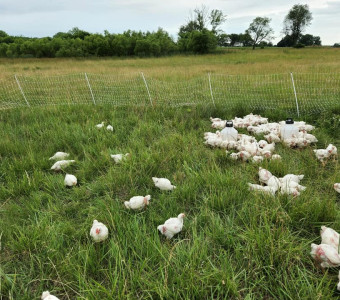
(3, 49)
(316, 41)
(234, 38)
(286, 41)
(259, 30)
(217, 18)
(202, 41)
(296, 21)
(96, 45)
(201, 28)
(75, 32)
(307, 40)
(3, 34)
(223, 40)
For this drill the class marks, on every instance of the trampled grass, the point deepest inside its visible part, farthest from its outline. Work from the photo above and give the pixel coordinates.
(234, 245)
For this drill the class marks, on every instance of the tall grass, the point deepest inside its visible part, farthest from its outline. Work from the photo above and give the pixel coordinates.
(228, 61)
(234, 245)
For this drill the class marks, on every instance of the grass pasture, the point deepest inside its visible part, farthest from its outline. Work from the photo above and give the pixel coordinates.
(228, 61)
(234, 245)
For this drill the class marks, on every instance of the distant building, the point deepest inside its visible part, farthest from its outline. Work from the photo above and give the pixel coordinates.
(238, 44)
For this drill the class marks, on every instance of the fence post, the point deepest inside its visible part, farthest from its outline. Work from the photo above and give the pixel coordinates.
(88, 83)
(296, 100)
(147, 88)
(21, 90)
(211, 92)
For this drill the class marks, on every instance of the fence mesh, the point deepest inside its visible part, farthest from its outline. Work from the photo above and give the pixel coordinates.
(179, 92)
(255, 91)
(294, 93)
(10, 95)
(120, 89)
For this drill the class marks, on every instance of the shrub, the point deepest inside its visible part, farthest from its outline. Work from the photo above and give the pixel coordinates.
(299, 45)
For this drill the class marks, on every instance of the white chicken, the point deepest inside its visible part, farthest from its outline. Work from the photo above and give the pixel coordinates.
(61, 164)
(47, 296)
(163, 184)
(233, 156)
(274, 183)
(272, 138)
(244, 138)
(264, 175)
(214, 141)
(257, 158)
(262, 143)
(101, 125)
(330, 237)
(337, 187)
(309, 137)
(276, 157)
(269, 147)
(305, 127)
(215, 119)
(59, 156)
(137, 202)
(321, 154)
(292, 177)
(289, 191)
(119, 157)
(70, 180)
(251, 148)
(109, 128)
(261, 188)
(332, 150)
(172, 226)
(266, 154)
(218, 124)
(99, 231)
(244, 155)
(326, 255)
(292, 184)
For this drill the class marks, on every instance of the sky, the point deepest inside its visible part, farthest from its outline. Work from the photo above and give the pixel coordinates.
(39, 18)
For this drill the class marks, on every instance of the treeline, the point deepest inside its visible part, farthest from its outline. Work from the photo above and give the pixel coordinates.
(201, 34)
(79, 43)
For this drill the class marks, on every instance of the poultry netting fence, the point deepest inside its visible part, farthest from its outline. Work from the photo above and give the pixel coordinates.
(295, 93)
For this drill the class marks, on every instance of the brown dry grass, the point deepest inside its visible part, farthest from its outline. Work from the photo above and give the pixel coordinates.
(229, 61)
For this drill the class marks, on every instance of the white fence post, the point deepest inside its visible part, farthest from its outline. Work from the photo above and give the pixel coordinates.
(21, 90)
(211, 92)
(296, 100)
(147, 88)
(88, 83)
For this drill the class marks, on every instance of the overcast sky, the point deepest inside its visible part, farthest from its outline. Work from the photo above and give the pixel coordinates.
(38, 18)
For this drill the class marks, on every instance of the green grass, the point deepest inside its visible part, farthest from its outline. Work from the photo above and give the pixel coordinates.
(234, 245)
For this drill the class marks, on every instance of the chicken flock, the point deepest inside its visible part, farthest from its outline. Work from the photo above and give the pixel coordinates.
(248, 149)
(288, 184)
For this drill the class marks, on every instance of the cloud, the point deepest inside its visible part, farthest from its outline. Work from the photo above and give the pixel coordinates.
(47, 17)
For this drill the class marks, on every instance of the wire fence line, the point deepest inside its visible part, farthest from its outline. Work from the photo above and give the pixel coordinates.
(297, 93)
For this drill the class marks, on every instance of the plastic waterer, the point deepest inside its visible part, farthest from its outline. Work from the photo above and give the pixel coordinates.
(289, 130)
(229, 133)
